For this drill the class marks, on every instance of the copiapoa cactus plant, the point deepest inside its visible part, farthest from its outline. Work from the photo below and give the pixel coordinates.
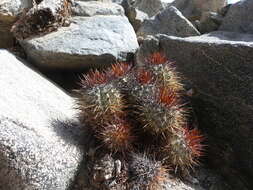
(125, 104)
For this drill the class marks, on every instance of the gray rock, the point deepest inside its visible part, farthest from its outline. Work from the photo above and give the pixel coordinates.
(139, 18)
(9, 10)
(166, 3)
(92, 8)
(117, 1)
(149, 7)
(40, 144)
(87, 42)
(6, 38)
(224, 10)
(218, 66)
(139, 10)
(104, 1)
(239, 18)
(209, 22)
(207, 179)
(146, 6)
(193, 9)
(136, 17)
(169, 21)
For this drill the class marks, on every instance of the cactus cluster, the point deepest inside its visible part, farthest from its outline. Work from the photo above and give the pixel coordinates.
(140, 109)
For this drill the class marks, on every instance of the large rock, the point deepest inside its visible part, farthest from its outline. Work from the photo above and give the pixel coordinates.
(169, 21)
(9, 10)
(6, 38)
(135, 16)
(39, 147)
(193, 9)
(151, 8)
(92, 8)
(209, 22)
(139, 10)
(219, 67)
(87, 42)
(239, 17)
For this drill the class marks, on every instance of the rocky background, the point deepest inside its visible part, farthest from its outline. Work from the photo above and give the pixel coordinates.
(47, 45)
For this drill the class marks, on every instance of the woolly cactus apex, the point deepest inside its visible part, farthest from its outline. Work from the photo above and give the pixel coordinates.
(119, 74)
(100, 104)
(140, 83)
(164, 71)
(117, 136)
(184, 148)
(146, 174)
(142, 88)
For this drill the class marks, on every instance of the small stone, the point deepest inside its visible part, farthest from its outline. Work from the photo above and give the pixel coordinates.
(118, 167)
(170, 22)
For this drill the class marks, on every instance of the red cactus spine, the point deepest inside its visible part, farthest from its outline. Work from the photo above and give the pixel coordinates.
(184, 148)
(144, 77)
(120, 69)
(94, 78)
(117, 136)
(157, 58)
